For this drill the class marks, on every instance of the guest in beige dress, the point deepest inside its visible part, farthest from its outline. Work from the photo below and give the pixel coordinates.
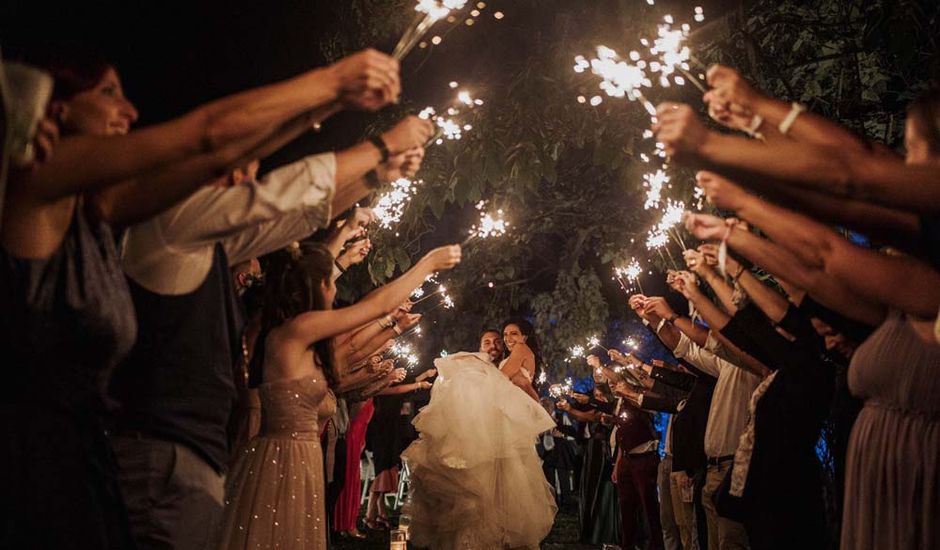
(275, 492)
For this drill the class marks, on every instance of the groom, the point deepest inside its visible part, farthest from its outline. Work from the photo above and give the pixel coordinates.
(491, 343)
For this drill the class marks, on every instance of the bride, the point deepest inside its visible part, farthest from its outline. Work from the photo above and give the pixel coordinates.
(476, 479)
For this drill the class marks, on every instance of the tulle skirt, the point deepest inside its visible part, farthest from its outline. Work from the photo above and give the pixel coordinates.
(477, 481)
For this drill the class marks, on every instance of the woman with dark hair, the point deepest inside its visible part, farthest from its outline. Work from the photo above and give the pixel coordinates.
(476, 479)
(522, 366)
(276, 489)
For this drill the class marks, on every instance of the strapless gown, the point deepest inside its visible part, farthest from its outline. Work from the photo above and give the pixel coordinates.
(275, 489)
(476, 480)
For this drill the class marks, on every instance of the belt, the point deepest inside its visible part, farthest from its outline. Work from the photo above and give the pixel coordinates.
(640, 455)
(719, 460)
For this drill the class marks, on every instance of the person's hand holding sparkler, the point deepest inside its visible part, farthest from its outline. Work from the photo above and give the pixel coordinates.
(402, 165)
(408, 321)
(732, 101)
(397, 375)
(367, 80)
(706, 227)
(720, 191)
(680, 131)
(637, 302)
(410, 133)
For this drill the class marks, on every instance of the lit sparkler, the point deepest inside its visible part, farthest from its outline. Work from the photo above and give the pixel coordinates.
(618, 78)
(672, 54)
(488, 226)
(441, 289)
(654, 183)
(391, 205)
(576, 351)
(429, 12)
(595, 342)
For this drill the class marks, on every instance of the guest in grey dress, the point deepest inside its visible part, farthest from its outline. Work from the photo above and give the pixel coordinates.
(892, 497)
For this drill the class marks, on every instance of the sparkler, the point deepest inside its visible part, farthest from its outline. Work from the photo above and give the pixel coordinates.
(654, 183)
(618, 78)
(441, 289)
(488, 226)
(672, 54)
(594, 342)
(429, 12)
(576, 351)
(672, 217)
(449, 128)
(391, 205)
(404, 351)
(631, 273)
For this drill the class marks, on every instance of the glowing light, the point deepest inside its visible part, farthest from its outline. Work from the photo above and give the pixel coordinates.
(498, 15)
(489, 225)
(391, 205)
(576, 351)
(654, 187)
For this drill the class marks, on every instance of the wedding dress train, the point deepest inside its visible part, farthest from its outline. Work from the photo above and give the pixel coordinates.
(476, 480)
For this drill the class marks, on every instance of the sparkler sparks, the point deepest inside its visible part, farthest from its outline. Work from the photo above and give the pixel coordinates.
(654, 188)
(391, 205)
(576, 351)
(429, 12)
(489, 225)
(618, 78)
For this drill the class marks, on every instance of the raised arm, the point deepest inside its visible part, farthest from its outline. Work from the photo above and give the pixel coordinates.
(243, 121)
(896, 282)
(842, 172)
(313, 326)
(788, 267)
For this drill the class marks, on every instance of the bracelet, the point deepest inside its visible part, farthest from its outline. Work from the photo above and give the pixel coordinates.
(339, 267)
(386, 322)
(735, 278)
(372, 179)
(754, 126)
(788, 121)
(382, 147)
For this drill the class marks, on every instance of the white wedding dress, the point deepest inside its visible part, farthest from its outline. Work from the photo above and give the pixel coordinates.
(476, 480)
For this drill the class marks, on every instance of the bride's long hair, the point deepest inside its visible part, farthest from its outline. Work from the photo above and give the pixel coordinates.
(531, 340)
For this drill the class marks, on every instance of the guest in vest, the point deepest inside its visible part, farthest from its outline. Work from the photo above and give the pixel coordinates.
(635, 473)
(176, 387)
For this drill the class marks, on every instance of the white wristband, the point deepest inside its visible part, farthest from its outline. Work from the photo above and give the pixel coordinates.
(754, 126)
(788, 121)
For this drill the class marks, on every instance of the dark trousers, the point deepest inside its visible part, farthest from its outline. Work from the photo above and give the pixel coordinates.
(174, 498)
(636, 489)
(563, 496)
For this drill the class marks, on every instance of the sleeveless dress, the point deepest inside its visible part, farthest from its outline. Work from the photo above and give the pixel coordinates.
(65, 322)
(275, 489)
(476, 480)
(892, 489)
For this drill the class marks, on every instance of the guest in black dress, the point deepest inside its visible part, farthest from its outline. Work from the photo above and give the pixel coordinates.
(66, 321)
(598, 508)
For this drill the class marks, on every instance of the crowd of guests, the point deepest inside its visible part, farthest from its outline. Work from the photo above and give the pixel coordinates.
(793, 328)
(159, 396)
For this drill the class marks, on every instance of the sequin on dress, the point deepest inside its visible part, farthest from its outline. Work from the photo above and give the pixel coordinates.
(275, 489)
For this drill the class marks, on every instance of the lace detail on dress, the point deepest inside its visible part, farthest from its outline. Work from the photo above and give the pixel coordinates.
(742, 456)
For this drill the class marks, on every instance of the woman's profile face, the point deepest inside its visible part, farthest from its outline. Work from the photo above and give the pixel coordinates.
(102, 110)
(512, 335)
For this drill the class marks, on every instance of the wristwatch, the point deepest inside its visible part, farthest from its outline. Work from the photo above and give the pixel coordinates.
(382, 147)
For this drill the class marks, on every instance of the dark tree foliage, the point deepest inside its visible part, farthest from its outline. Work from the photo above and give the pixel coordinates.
(569, 174)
